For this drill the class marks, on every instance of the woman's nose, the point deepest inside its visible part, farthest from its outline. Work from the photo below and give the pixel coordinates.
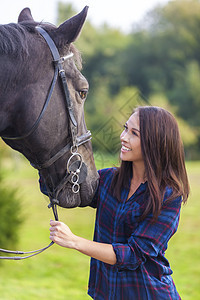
(124, 136)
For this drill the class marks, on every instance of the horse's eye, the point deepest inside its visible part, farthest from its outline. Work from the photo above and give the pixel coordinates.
(83, 94)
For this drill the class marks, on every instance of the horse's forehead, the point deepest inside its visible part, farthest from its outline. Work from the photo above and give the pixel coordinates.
(29, 53)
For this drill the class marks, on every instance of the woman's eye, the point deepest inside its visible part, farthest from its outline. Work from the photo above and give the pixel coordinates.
(134, 133)
(125, 127)
(83, 94)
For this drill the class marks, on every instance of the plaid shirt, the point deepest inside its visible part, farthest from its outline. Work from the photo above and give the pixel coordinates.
(142, 272)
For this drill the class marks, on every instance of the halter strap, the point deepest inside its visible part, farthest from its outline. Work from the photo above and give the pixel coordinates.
(79, 141)
(59, 62)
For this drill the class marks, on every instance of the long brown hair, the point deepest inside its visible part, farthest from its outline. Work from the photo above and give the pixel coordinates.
(164, 161)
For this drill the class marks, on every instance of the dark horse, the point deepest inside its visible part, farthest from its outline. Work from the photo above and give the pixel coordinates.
(41, 131)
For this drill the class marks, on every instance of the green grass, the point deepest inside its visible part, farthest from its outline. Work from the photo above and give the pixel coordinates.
(184, 247)
(60, 274)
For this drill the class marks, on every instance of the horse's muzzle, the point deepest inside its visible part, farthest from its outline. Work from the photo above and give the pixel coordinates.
(67, 199)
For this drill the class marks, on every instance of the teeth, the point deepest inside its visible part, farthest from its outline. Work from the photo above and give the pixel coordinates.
(125, 148)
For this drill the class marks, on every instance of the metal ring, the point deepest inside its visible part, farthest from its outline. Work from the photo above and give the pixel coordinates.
(74, 149)
(75, 188)
(75, 178)
(73, 155)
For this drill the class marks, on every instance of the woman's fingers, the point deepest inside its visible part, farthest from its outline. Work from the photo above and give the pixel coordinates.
(61, 234)
(54, 223)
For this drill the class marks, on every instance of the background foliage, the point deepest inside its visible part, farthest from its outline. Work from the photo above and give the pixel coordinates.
(10, 207)
(160, 59)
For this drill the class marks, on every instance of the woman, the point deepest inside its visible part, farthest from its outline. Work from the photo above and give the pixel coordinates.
(138, 208)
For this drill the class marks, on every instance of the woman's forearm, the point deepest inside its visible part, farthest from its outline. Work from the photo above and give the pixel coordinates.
(100, 251)
(62, 235)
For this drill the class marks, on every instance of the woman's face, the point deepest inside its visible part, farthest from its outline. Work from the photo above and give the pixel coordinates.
(130, 140)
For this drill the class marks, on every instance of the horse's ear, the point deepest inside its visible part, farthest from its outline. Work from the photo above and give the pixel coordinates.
(70, 29)
(25, 15)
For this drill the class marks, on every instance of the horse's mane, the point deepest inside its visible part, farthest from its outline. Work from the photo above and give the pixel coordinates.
(13, 40)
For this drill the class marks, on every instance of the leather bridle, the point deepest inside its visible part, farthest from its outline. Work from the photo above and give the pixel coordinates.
(75, 162)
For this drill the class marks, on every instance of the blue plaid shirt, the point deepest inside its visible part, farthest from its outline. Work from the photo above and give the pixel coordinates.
(142, 272)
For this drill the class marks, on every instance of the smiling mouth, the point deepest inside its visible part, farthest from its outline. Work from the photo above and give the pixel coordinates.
(126, 148)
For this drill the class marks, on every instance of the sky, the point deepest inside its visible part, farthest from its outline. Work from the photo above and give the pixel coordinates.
(120, 14)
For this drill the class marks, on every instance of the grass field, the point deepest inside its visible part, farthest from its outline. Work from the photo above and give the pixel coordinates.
(60, 274)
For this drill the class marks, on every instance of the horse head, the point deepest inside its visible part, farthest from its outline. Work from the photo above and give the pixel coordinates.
(40, 116)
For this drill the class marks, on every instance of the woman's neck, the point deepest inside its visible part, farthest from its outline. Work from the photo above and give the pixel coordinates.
(138, 173)
(137, 179)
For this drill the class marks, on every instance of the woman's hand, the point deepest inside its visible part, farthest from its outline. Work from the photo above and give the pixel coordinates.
(62, 235)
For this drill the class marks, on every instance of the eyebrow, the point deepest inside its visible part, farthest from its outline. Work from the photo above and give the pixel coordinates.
(133, 128)
(136, 129)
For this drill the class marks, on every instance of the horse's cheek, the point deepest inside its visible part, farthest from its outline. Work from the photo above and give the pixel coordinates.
(4, 121)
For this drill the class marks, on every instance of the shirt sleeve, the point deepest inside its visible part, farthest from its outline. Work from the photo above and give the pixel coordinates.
(149, 239)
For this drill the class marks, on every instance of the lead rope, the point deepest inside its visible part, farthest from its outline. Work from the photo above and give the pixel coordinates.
(34, 252)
